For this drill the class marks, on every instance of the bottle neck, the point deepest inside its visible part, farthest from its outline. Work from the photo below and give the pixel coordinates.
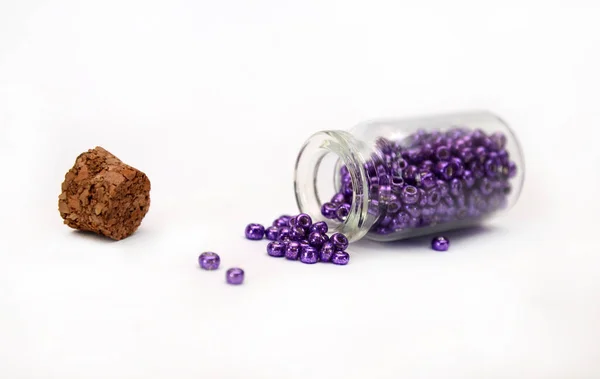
(317, 169)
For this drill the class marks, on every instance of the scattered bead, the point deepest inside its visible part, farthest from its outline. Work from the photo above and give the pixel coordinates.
(255, 231)
(340, 258)
(235, 276)
(209, 260)
(276, 249)
(303, 220)
(440, 243)
(340, 242)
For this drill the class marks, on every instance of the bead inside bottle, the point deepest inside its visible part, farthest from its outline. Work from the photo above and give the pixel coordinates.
(395, 179)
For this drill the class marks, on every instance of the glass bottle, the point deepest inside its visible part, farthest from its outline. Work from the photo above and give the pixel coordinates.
(399, 178)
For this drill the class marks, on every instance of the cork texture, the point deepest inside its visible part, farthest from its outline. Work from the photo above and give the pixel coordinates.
(103, 195)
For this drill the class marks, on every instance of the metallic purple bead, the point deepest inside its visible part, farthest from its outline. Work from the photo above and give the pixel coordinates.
(440, 243)
(443, 188)
(468, 179)
(272, 233)
(414, 155)
(281, 222)
(309, 255)
(235, 276)
(303, 220)
(255, 231)
(503, 157)
(428, 211)
(410, 174)
(386, 220)
(340, 242)
(209, 260)
(499, 140)
(478, 135)
(445, 170)
(340, 258)
(320, 227)
(317, 239)
(442, 153)
(427, 179)
(426, 165)
(338, 198)
(433, 197)
(422, 197)
(401, 221)
(397, 184)
(292, 223)
(486, 186)
(292, 250)
(481, 153)
(456, 187)
(328, 210)
(402, 163)
(491, 168)
(297, 233)
(512, 169)
(466, 154)
(477, 169)
(410, 195)
(394, 205)
(413, 210)
(284, 233)
(326, 252)
(276, 249)
(457, 166)
(342, 212)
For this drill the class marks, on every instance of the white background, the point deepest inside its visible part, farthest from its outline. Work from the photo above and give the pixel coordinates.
(213, 99)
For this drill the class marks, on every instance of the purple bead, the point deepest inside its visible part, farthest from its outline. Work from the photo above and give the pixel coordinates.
(402, 164)
(410, 195)
(477, 169)
(328, 210)
(397, 184)
(320, 227)
(400, 221)
(443, 188)
(309, 255)
(512, 169)
(478, 135)
(428, 180)
(235, 276)
(340, 242)
(410, 174)
(386, 220)
(292, 250)
(292, 223)
(338, 198)
(426, 165)
(317, 239)
(503, 157)
(456, 187)
(297, 233)
(340, 258)
(445, 170)
(499, 140)
(272, 233)
(422, 197)
(255, 231)
(209, 260)
(468, 179)
(466, 154)
(284, 233)
(457, 166)
(440, 243)
(442, 153)
(428, 211)
(413, 210)
(481, 153)
(491, 168)
(276, 249)
(326, 252)
(486, 186)
(303, 220)
(342, 212)
(433, 197)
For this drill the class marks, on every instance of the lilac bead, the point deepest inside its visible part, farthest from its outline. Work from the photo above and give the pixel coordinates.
(440, 243)
(486, 186)
(386, 220)
(309, 255)
(317, 239)
(342, 212)
(427, 180)
(326, 252)
(442, 153)
(468, 179)
(428, 211)
(255, 231)
(209, 260)
(340, 258)
(445, 170)
(410, 174)
(433, 197)
(297, 233)
(284, 233)
(235, 276)
(320, 227)
(410, 195)
(456, 187)
(276, 249)
(443, 188)
(512, 169)
(292, 250)
(340, 242)
(272, 233)
(338, 198)
(328, 210)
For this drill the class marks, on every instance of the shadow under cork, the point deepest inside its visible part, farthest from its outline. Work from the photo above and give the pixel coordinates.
(91, 236)
(422, 244)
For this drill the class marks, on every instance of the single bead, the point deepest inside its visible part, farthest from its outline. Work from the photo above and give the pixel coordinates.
(292, 250)
(440, 243)
(328, 210)
(512, 169)
(209, 260)
(433, 197)
(317, 239)
(293, 223)
(272, 233)
(340, 242)
(346, 189)
(466, 154)
(303, 220)
(422, 197)
(478, 135)
(394, 205)
(255, 231)
(276, 249)
(373, 189)
(397, 184)
(456, 187)
(338, 198)
(477, 169)
(235, 276)
(281, 221)
(309, 255)
(426, 151)
(326, 252)
(402, 163)
(457, 166)
(320, 227)
(503, 157)
(468, 179)
(415, 156)
(342, 212)
(491, 168)
(297, 233)
(340, 258)
(499, 140)
(410, 195)
(426, 165)
(481, 153)
(427, 179)
(386, 220)
(410, 174)
(486, 186)
(284, 233)
(445, 170)
(414, 222)
(413, 210)
(428, 211)
(443, 188)
(442, 153)
(400, 221)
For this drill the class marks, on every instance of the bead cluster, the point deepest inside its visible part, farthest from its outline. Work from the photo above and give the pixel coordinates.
(431, 178)
(298, 238)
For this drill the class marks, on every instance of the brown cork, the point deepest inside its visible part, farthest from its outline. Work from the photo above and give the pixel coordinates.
(103, 195)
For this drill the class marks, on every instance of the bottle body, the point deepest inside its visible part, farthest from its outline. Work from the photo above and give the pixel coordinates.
(395, 179)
